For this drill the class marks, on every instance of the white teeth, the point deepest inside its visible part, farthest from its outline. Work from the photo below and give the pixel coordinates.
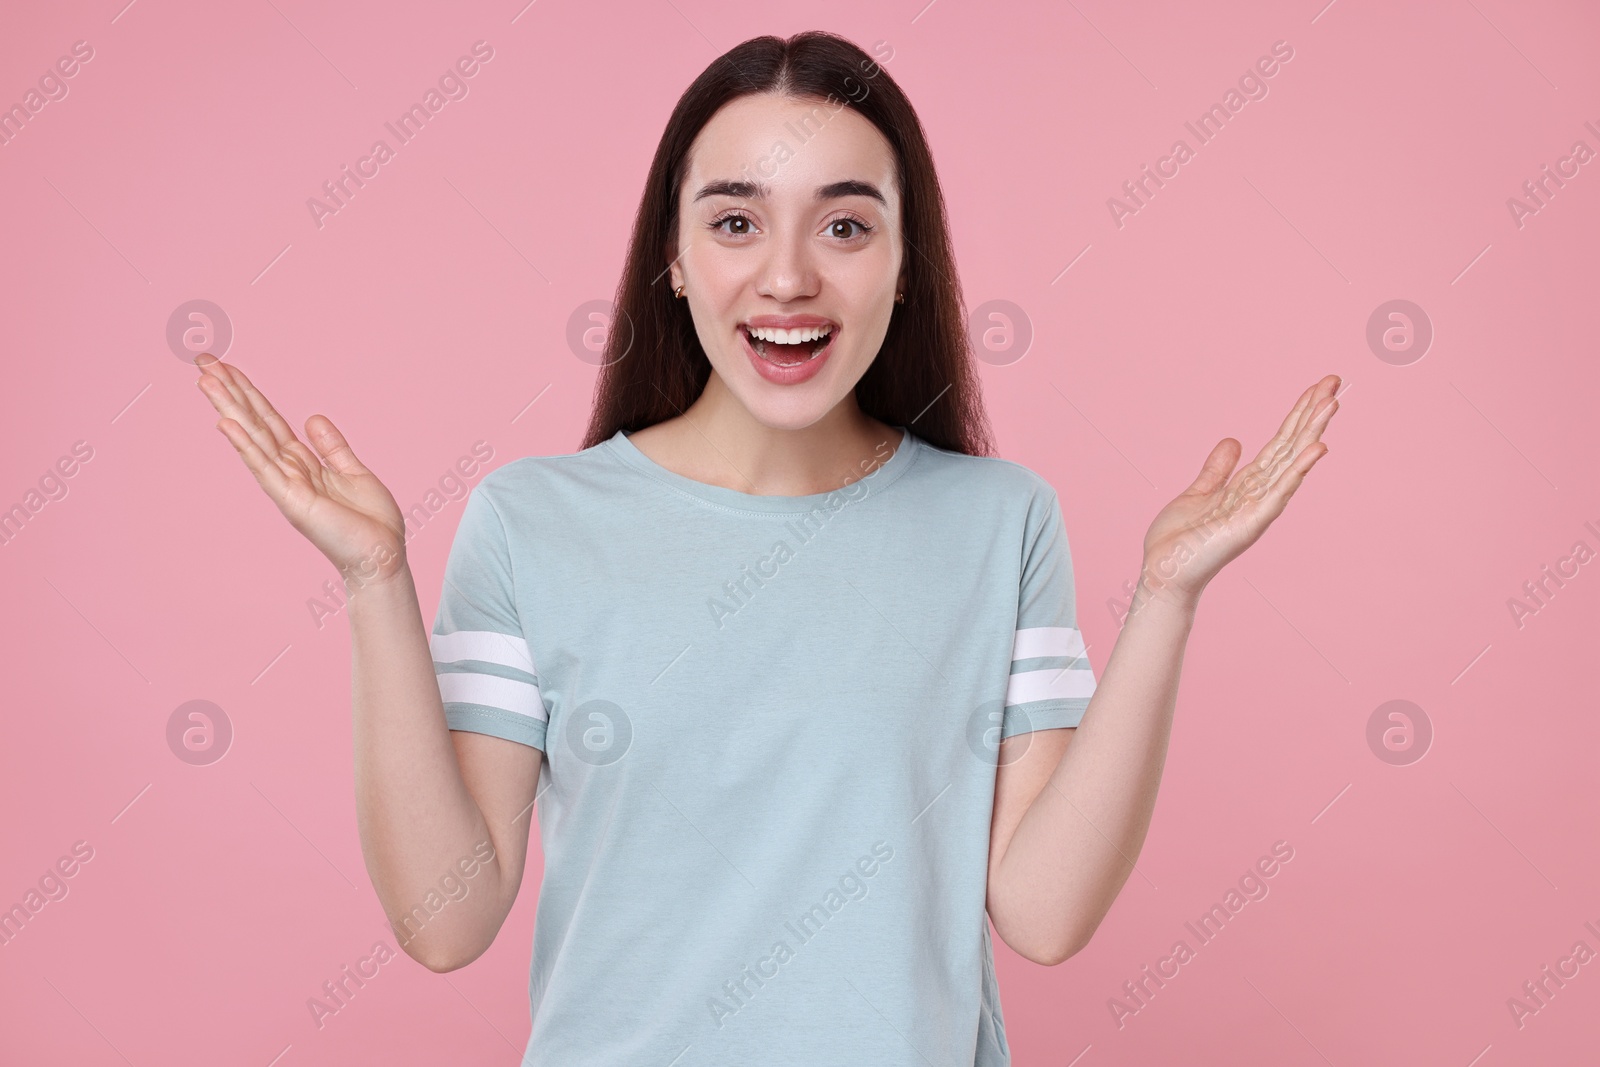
(789, 337)
(762, 337)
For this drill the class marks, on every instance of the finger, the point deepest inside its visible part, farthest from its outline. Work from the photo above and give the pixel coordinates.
(1311, 432)
(224, 375)
(1274, 503)
(1292, 420)
(1215, 470)
(331, 446)
(1276, 449)
(268, 474)
(264, 410)
(277, 425)
(250, 399)
(229, 401)
(1289, 440)
(219, 388)
(1331, 384)
(278, 441)
(1261, 484)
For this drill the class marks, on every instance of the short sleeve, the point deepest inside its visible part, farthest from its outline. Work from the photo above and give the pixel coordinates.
(1051, 680)
(487, 678)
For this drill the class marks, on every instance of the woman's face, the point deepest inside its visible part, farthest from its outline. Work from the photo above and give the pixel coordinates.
(789, 220)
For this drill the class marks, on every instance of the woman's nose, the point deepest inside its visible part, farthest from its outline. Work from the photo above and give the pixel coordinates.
(790, 269)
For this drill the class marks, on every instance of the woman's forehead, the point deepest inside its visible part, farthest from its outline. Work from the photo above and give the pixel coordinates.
(789, 144)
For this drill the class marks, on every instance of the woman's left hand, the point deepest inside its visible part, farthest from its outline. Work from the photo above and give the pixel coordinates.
(1218, 517)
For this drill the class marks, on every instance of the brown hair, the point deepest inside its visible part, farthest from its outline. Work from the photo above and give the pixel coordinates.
(922, 377)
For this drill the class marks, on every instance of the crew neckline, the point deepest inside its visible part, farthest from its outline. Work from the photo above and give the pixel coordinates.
(720, 496)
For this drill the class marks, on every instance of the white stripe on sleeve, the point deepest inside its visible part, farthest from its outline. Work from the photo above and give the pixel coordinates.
(1035, 641)
(507, 650)
(491, 690)
(1052, 683)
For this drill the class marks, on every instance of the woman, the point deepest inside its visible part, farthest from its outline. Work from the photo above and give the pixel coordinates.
(787, 662)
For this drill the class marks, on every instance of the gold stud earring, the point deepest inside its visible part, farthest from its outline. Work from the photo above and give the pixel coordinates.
(678, 292)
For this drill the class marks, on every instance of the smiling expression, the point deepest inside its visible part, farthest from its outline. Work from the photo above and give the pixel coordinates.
(789, 251)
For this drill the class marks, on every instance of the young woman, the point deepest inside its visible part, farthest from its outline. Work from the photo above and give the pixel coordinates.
(786, 660)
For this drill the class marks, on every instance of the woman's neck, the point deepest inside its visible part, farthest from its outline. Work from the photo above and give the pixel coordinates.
(719, 442)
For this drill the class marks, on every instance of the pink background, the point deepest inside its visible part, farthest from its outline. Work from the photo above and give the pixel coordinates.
(429, 312)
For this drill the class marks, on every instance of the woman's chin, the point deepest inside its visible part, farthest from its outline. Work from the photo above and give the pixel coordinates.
(782, 408)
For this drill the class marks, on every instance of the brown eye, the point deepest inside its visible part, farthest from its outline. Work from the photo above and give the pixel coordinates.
(838, 224)
(718, 223)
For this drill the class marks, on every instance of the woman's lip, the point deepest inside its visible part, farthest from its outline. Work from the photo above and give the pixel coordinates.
(790, 375)
(788, 322)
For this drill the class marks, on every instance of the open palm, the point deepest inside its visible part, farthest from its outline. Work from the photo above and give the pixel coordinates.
(1219, 516)
(328, 495)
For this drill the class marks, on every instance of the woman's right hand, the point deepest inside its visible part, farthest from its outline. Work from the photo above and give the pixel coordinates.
(338, 504)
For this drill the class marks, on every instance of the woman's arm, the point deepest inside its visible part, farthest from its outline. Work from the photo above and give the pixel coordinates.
(1068, 828)
(437, 810)
(432, 804)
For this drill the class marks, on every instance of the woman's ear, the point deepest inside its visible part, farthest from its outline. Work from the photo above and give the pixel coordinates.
(671, 250)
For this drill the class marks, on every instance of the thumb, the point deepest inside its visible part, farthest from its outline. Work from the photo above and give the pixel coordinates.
(331, 446)
(1217, 468)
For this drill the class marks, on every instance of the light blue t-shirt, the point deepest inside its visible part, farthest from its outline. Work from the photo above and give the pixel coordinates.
(770, 728)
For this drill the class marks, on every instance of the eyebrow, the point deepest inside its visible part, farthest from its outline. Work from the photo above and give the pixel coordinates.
(744, 190)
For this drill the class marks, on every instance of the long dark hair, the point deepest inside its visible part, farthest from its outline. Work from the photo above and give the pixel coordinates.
(922, 377)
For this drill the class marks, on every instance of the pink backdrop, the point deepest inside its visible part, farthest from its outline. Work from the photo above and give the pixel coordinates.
(426, 315)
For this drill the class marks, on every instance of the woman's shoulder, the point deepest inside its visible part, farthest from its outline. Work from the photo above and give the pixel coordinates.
(989, 473)
(537, 474)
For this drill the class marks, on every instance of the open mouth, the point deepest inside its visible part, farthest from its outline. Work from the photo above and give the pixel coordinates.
(788, 348)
